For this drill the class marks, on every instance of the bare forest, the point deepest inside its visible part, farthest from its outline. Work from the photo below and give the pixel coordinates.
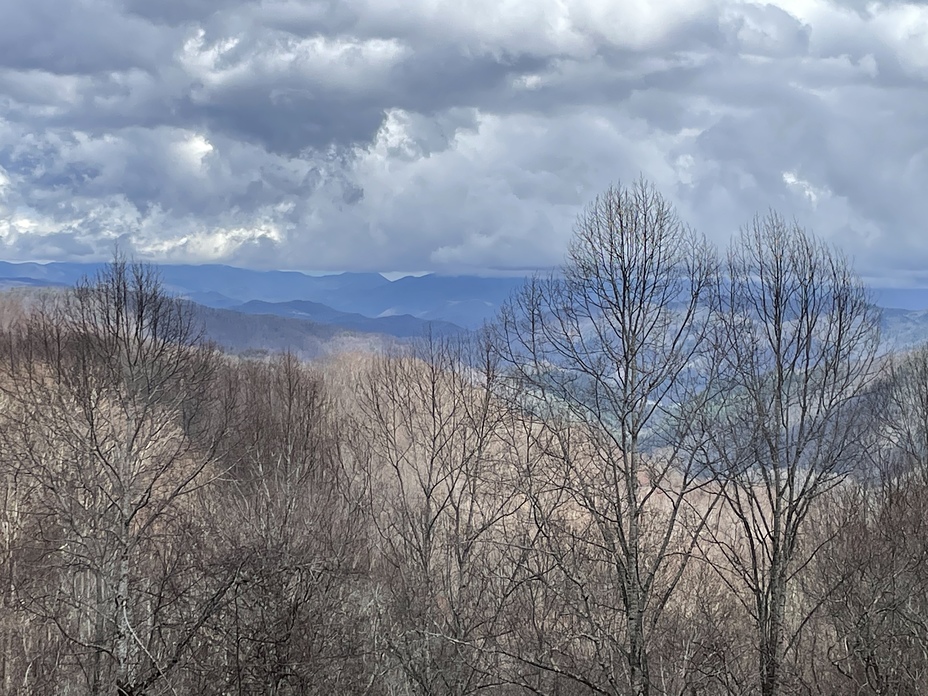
(663, 470)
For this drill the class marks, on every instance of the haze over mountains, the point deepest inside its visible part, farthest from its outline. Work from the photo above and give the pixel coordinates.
(462, 300)
(245, 310)
(248, 310)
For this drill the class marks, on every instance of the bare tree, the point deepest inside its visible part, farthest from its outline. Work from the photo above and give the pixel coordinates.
(110, 416)
(288, 510)
(798, 343)
(903, 417)
(612, 354)
(437, 443)
(878, 564)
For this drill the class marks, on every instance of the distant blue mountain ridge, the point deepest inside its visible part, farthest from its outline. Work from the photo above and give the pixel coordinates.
(370, 303)
(366, 302)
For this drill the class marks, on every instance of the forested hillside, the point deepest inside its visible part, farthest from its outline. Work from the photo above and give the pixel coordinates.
(661, 471)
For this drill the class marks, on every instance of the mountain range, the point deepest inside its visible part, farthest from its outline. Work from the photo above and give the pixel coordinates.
(249, 310)
(313, 315)
(465, 301)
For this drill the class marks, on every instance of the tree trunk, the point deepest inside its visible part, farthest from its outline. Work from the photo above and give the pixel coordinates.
(771, 638)
(637, 655)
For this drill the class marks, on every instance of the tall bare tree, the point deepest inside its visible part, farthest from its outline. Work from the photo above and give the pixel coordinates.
(110, 415)
(612, 353)
(798, 344)
(443, 501)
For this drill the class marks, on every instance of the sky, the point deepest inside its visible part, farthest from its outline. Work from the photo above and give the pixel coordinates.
(453, 136)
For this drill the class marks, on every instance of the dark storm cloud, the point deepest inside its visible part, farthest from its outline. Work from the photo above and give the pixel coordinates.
(408, 134)
(180, 12)
(77, 38)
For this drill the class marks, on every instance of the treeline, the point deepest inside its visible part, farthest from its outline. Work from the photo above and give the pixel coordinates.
(659, 471)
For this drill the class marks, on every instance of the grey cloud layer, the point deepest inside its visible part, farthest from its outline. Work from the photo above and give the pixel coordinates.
(409, 134)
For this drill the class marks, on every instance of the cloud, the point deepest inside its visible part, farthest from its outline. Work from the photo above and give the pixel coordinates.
(414, 135)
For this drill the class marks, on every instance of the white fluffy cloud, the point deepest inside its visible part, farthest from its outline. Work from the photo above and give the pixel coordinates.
(424, 135)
